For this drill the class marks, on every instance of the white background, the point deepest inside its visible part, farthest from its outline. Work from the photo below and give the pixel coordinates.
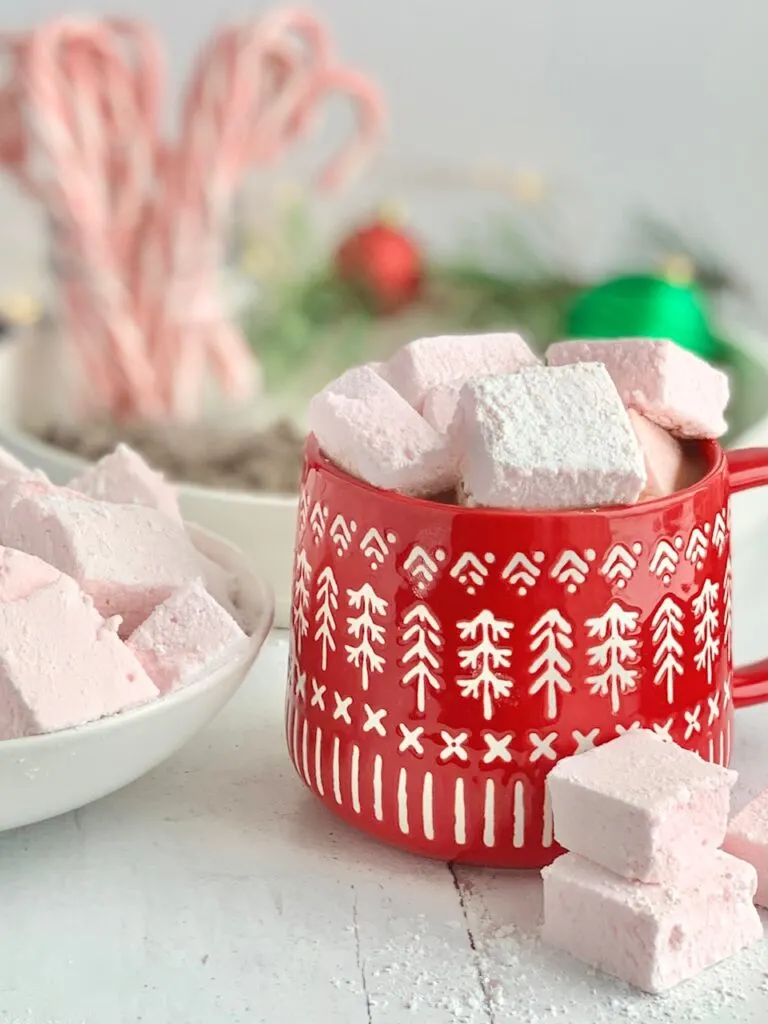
(622, 106)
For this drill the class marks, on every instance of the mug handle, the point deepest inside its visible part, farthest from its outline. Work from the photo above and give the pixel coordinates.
(748, 468)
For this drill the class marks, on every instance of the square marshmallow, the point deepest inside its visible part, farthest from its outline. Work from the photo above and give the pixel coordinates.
(658, 378)
(651, 936)
(61, 664)
(128, 558)
(547, 438)
(426, 363)
(368, 429)
(186, 636)
(748, 838)
(640, 806)
(124, 478)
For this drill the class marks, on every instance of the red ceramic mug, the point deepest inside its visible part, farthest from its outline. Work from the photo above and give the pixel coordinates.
(443, 658)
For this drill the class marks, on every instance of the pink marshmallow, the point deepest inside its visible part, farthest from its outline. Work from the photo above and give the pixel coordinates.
(61, 664)
(546, 438)
(665, 460)
(658, 378)
(123, 477)
(453, 359)
(366, 427)
(651, 936)
(186, 636)
(640, 806)
(747, 838)
(128, 558)
(440, 406)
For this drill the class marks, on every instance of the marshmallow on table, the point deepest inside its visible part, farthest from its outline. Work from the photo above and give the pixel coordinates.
(658, 378)
(61, 664)
(368, 429)
(128, 558)
(547, 438)
(667, 464)
(640, 806)
(651, 936)
(123, 477)
(185, 636)
(427, 363)
(747, 838)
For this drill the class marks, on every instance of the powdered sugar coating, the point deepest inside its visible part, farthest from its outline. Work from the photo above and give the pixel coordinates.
(662, 380)
(123, 477)
(547, 438)
(748, 838)
(128, 558)
(651, 936)
(61, 664)
(184, 637)
(640, 806)
(440, 406)
(427, 363)
(369, 430)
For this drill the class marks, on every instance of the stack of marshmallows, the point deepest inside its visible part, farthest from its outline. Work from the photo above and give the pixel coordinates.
(645, 893)
(105, 602)
(480, 420)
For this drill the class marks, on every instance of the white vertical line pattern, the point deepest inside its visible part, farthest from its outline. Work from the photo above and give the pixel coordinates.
(426, 807)
(291, 711)
(319, 761)
(355, 778)
(304, 751)
(295, 735)
(711, 749)
(721, 746)
(546, 831)
(518, 815)
(377, 809)
(402, 801)
(459, 813)
(336, 779)
(728, 743)
(489, 814)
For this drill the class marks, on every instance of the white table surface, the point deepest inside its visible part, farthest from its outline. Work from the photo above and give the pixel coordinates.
(217, 891)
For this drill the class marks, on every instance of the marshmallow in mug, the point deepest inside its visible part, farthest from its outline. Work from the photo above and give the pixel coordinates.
(370, 430)
(547, 438)
(669, 385)
(428, 363)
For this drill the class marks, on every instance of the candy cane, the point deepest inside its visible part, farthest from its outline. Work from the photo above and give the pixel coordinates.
(138, 223)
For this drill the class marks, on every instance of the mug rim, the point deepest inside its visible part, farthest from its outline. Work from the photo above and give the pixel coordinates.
(711, 449)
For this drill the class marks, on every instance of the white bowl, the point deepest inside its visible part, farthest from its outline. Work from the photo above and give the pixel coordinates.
(42, 776)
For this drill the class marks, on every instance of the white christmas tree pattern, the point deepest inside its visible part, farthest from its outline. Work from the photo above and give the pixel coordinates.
(368, 633)
(705, 632)
(727, 607)
(325, 615)
(667, 627)
(421, 630)
(551, 636)
(301, 599)
(484, 659)
(616, 650)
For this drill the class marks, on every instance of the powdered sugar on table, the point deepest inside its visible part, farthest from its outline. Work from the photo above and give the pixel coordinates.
(241, 900)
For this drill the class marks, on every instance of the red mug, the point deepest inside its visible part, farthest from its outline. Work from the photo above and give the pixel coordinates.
(443, 658)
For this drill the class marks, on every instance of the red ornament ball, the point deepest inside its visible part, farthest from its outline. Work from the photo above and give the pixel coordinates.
(384, 263)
